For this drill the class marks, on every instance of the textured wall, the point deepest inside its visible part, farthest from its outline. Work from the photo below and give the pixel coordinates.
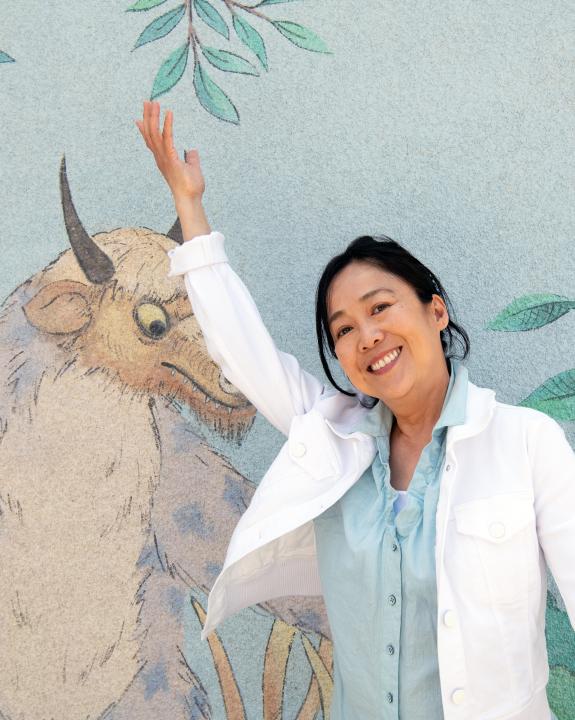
(447, 126)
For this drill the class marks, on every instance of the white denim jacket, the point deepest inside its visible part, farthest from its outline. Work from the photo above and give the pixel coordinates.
(506, 505)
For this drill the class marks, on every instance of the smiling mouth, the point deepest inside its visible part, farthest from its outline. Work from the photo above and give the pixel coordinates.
(199, 387)
(386, 360)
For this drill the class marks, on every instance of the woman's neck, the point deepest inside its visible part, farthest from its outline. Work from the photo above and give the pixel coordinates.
(417, 413)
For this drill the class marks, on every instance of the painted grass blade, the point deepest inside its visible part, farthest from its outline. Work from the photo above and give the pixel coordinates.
(275, 666)
(556, 397)
(324, 678)
(233, 702)
(312, 703)
(530, 312)
(5, 58)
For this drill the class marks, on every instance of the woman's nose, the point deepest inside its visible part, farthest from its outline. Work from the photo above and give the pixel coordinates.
(370, 336)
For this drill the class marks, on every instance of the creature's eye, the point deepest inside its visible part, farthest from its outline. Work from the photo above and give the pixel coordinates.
(152, 319)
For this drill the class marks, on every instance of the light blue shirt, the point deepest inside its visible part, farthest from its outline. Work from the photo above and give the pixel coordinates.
(377, 570)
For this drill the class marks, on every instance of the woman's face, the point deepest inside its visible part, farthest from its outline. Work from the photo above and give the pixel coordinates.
(387, 341)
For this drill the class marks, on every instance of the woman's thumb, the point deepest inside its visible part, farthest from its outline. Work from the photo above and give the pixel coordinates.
(190, 156)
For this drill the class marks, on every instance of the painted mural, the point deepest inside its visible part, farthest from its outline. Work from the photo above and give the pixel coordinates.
(115, 511)
(198, 15)
(114, 516)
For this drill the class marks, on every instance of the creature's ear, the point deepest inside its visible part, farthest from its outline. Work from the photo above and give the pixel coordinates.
(60, 307)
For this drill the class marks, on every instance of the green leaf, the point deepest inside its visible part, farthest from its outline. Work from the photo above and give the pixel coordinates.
(161, 26)
(212, 17)
(144, 5)
(4, 58)
(556, 396)
(170, 71)
(213, 98)
(561, 691)
(228, 61)
(251, 38)
(531, 312)
(301, 36)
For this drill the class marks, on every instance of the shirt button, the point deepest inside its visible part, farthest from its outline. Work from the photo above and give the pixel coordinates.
(298, 449)
(389, 698)
(390, 649)
(392, 599)
(458, 696)
(394, 547)
(449, 619)
(447, 468)
(497, 530)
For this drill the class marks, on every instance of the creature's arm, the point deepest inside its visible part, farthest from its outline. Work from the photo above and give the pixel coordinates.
(553, 463)
(234, 332)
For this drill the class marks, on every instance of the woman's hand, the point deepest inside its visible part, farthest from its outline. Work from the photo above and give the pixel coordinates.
(184, 178)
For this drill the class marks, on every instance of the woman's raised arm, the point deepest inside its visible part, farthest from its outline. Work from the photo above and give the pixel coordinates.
(233, 330)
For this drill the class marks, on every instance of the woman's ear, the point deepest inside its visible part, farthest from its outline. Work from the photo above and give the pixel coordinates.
(440, 312)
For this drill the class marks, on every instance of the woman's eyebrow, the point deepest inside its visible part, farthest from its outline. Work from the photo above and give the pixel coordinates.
(367, 295)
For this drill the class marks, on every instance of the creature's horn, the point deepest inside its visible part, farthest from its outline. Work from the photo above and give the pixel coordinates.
(175, 232)
(95, 264)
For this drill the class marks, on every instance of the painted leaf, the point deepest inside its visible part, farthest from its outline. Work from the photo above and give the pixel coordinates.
(228, 61)
(301, 36)
(161, 26)
(5, 58)
(556, 396)
(271, 2)
(530, 312)
(170, 71)
(144, 5)
(251, 38)
(212, 17)
(213, 98)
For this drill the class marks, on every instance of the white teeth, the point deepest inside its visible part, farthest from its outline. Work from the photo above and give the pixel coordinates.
(390, 357)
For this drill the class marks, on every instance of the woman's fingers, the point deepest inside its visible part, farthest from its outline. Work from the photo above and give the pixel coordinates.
(168, 133)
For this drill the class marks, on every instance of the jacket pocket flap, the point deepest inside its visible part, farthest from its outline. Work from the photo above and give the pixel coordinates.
(312, 446)
(497, 518)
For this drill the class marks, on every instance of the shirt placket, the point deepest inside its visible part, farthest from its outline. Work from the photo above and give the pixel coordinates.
(391, 608)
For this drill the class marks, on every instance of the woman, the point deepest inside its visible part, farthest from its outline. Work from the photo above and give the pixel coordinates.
(424, 519)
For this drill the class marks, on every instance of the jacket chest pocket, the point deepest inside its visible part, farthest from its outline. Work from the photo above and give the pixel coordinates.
(497, 541)
(313, 447)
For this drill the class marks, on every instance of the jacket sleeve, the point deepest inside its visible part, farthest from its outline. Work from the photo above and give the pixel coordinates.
(553, 463)
(235, 336)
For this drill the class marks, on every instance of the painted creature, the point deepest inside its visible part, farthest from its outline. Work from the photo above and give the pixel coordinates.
(111, 509)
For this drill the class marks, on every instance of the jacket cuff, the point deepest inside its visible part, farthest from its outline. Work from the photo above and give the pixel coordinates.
(201, 250)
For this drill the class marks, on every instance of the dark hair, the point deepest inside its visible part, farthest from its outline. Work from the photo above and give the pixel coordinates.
(395, 259)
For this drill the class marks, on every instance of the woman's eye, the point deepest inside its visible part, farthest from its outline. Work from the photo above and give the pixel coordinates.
(342, 331)
(380, 307)
(152, 319)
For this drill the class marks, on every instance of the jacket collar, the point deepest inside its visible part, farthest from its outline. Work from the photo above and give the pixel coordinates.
(343, 414)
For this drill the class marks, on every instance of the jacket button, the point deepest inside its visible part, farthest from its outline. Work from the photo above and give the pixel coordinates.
(449, 619)
(497, 530)
(458, 696)
(298, 449)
